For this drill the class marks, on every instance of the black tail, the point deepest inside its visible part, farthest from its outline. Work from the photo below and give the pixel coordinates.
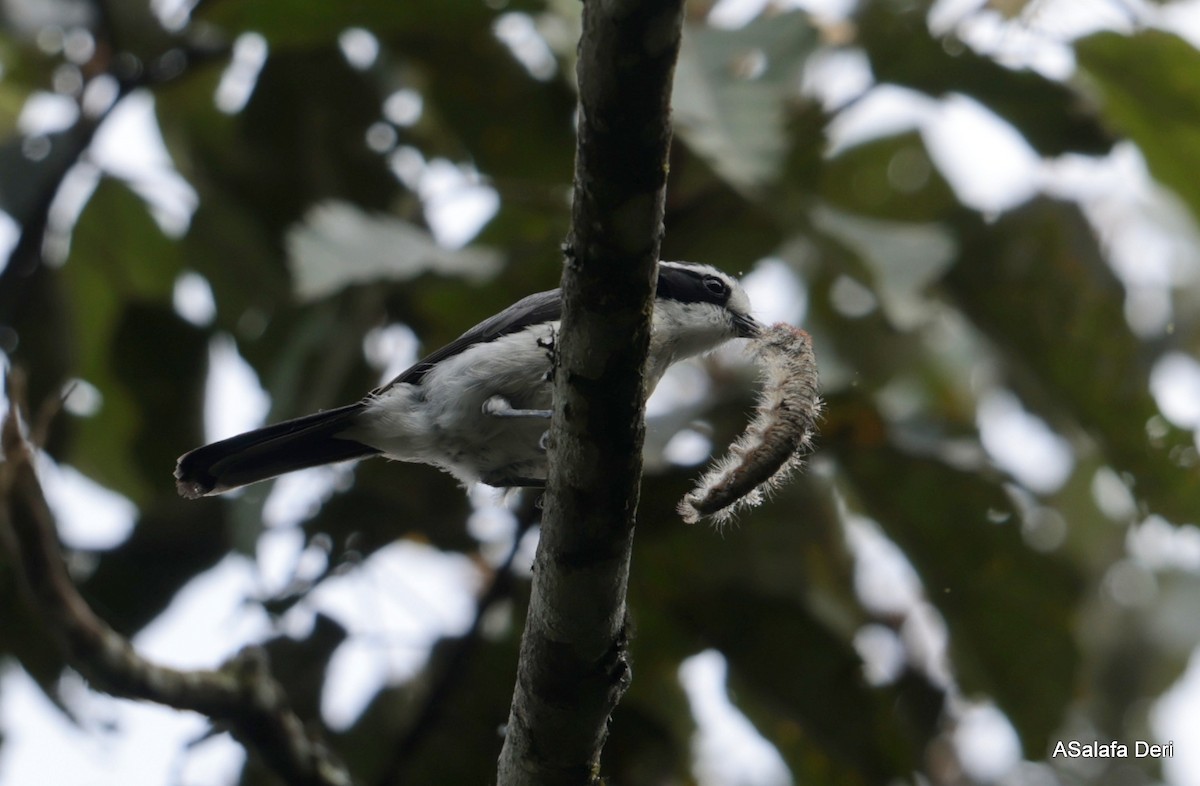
(268, 452)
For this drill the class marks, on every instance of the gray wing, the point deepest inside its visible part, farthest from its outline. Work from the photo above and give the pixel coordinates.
(539, 307)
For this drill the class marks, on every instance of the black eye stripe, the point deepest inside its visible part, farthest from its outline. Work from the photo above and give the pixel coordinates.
(687, 285)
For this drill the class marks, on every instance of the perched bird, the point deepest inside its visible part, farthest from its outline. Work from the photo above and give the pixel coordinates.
(479, 407)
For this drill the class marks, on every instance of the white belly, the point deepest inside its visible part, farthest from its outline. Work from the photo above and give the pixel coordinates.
(441, 421)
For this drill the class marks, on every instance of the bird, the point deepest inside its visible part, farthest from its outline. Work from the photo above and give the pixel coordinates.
(479, 407)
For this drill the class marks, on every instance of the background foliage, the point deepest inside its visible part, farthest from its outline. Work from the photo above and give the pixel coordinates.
(1062, 602)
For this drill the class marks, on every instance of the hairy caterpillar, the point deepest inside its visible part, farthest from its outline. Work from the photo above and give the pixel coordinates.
(778, 437)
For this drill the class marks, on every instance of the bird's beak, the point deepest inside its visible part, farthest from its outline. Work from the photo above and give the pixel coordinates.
(746, 326)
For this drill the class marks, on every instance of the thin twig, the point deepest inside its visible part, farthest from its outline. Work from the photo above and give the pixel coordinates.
(241, 694)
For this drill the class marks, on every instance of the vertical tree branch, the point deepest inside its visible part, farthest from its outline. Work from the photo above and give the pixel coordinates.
(573, 666)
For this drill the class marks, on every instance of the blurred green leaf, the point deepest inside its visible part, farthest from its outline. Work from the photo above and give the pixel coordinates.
(890, 178)
(119, 257)
(732, 90)
(1147, 88)
(902, 258)
(339, 245)
(161, 361)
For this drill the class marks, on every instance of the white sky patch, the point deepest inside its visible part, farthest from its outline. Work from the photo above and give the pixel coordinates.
(241, 75)
(1039, 36)
(1022, 444)
(118, 741)
(130, 146)
(518, 32)
(988, 163)
(457, 203)
(1175, 717)
(358, 670)
(776, 292)
(926, 638)
(882, 654)
(684, 384)
(360, 47)
(726, 750)
(732, 14)
(1018, 43)
(1112, 495)
(10, 232)
(522, 564)
(1182, 18)
(490, 518)
(404, 107)
(408, 165)
(491, 522)
(193, 299)
(81, 398)
(988, 746)
(72, 196)
(173, 14)
(1130, 584)
(884, 580)
(297, 496)
(945, 14)
(836, 76)
(45, 113)
(209, 620)
(100, 94)
(89, 516)
(1070, 19)
(1150, 235)
(1175, 385)
(395, 606)
(277, 555)
(234, 401)
(985, 160)
(824, 10)
(381, 137)
(1150, 238)
(215, 761)
(391, 349)
(884, 111)
(687, 448)
(1156, 544)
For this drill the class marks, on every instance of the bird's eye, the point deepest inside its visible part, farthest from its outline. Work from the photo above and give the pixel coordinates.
(716, 285)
